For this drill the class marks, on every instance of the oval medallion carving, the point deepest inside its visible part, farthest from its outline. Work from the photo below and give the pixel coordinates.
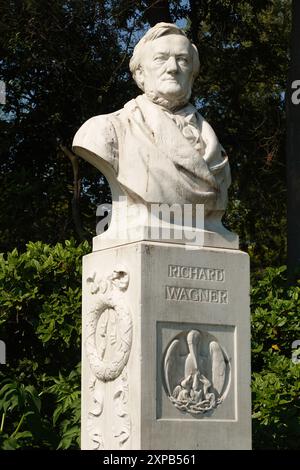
(196, 372)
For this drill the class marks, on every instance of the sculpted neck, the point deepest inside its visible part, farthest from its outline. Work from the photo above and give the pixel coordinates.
(170, 105)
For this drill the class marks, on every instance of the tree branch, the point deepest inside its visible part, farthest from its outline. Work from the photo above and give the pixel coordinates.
(157, 11)
(76, 191)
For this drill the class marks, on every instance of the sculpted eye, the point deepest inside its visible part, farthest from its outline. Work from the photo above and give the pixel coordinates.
(183, 60)
(159, 59)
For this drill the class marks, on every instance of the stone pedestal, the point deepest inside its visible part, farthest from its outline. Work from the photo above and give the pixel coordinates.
(166, 348)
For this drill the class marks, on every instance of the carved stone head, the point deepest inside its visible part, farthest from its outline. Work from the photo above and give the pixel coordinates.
(164, 65)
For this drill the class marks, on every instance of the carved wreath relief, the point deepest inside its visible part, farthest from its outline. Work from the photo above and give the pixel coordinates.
(196, 372)
(108, 345)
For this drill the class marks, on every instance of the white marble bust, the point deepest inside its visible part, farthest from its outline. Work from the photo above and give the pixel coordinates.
(158, 148)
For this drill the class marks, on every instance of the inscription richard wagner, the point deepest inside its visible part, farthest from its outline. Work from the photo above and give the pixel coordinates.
(197, 273)
(196, 294)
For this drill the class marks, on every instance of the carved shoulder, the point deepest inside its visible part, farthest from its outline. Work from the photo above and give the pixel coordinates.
(215, 155)
(96, 140)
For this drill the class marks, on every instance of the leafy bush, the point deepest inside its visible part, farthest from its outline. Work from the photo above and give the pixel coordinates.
(276, 379)
(40, 321)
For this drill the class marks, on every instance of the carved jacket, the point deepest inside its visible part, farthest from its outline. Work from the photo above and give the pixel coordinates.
(152, 158)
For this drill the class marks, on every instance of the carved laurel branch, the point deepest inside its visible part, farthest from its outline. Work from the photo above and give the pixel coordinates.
(120, 398)
(110, 296)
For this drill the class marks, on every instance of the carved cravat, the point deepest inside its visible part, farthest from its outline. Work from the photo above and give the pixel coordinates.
(186, 121)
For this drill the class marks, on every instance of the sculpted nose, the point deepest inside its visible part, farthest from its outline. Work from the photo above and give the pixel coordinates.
(171, 65)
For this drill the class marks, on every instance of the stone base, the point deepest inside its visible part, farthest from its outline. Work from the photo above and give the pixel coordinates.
(179, 236)
(166, 348)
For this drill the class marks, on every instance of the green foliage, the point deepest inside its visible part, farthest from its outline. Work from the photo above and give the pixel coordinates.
(40, 321)
(276, 404)
(276, 379)
(22, 424)
(275, 314)
(26, 416)
(66, 390)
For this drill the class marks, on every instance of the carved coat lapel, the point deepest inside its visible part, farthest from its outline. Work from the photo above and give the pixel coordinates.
(156, 161)
(171, 143)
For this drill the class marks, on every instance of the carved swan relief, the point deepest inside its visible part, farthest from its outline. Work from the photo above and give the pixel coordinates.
(196, 372)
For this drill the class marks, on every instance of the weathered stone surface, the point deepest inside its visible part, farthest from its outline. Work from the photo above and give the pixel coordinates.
(158, 149)
(171, 345)
(166, 322)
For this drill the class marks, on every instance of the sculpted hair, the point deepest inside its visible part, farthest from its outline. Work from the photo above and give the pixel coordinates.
(160, 29)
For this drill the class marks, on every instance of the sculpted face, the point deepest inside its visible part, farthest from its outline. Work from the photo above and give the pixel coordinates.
(167, 68)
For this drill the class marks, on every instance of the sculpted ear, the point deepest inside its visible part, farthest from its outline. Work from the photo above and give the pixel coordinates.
(139, 77)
